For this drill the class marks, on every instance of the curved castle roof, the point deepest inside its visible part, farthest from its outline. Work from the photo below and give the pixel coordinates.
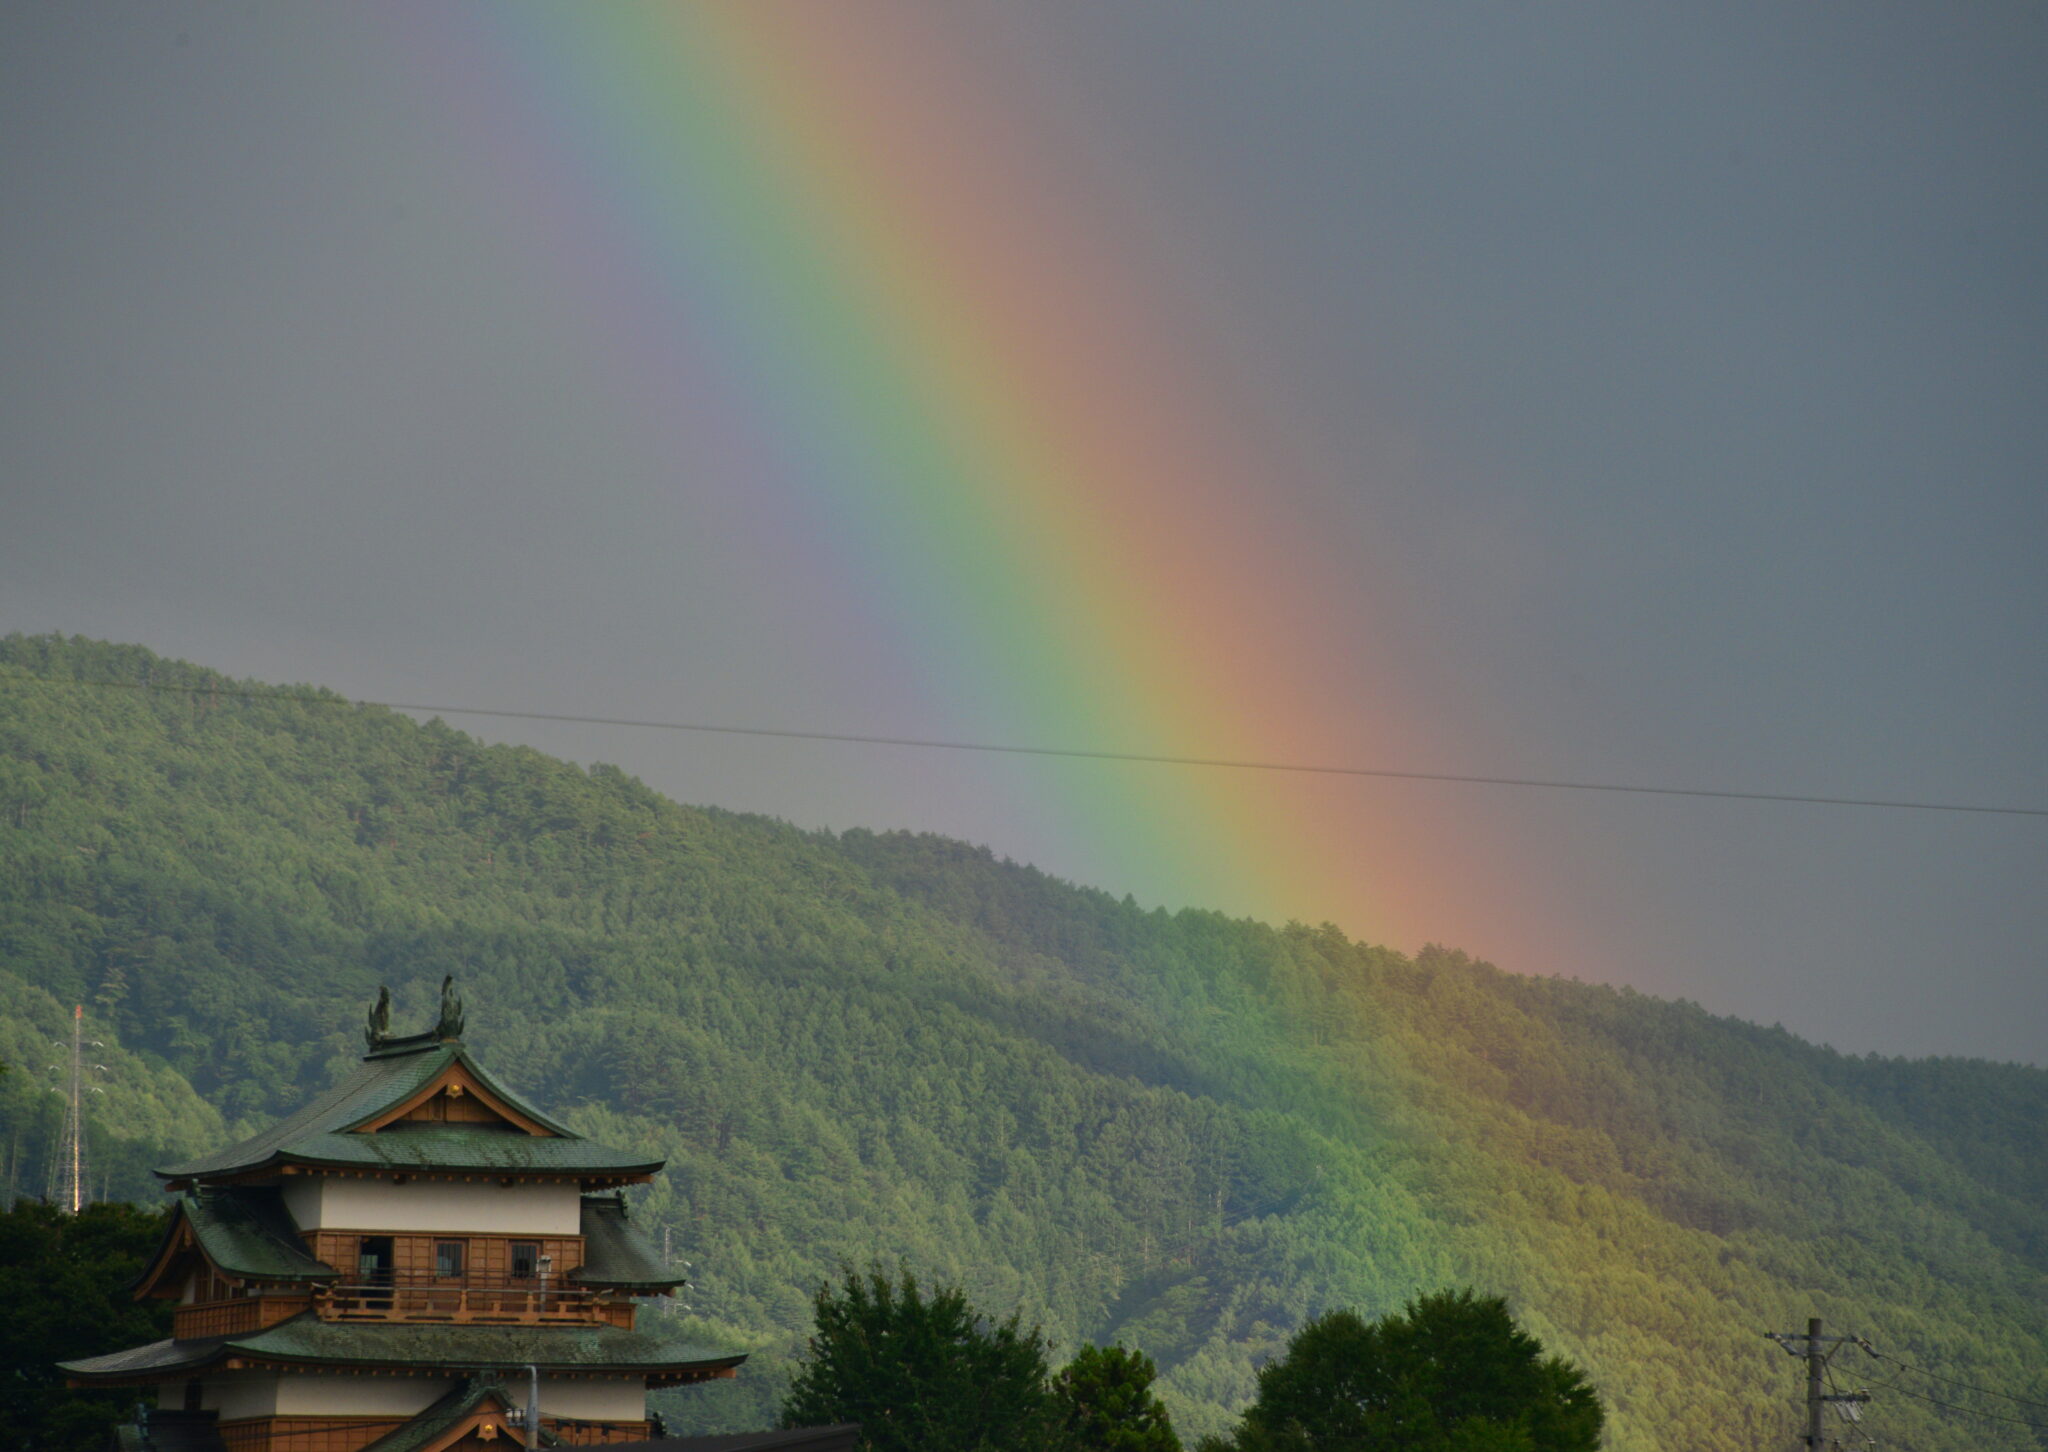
(370, 1122)
(308, 1342)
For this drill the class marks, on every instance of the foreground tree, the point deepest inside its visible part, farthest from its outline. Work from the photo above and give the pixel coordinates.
(1450, 1373)
(64, 1283)
(1106, 1395)
(922, 1373)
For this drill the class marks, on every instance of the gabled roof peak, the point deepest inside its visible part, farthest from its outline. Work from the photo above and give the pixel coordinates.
(413, 1087)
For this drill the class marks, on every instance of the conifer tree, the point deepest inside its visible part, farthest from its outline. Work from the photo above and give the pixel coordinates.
(1106, 1392)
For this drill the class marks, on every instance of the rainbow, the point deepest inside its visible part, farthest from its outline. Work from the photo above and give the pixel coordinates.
(836, 238)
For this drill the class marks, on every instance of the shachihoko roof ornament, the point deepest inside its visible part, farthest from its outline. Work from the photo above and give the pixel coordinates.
(450, 1026)
(377, 1031)
(371, 1121)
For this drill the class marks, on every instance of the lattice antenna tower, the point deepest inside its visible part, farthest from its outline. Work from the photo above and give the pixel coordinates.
(71, 1156)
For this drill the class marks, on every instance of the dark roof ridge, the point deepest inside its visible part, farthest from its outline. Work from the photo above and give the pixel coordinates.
(394, 1048)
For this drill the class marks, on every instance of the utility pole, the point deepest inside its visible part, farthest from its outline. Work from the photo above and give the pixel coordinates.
(1815, 1364)
(1848, 1404)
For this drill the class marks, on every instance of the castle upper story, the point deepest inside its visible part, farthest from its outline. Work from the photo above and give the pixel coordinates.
(413, 1239)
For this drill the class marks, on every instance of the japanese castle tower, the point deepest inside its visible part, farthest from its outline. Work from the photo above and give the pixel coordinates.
(389, 1268)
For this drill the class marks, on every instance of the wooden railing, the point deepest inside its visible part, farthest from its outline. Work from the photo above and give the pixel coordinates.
(592, 1434)
(351, 1434)
(472, 1301)
(233, 1317)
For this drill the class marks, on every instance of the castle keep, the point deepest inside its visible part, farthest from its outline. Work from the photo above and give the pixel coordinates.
(390, 1267)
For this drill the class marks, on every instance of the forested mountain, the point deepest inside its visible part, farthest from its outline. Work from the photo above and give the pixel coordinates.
(1183, 1131)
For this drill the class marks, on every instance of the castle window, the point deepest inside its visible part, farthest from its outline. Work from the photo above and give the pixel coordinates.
(525, 1259)
(448, 1257)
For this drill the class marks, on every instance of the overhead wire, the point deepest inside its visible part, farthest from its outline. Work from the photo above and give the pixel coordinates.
(1952, 1381)
(1905, 1366)
(326, 698)
(1968, 1411)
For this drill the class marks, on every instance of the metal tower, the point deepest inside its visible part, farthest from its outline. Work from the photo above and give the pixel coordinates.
(71, 1157)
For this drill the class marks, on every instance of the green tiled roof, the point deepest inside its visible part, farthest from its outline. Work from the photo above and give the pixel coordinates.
(308, 1341)
(156, 1358)
(320, 1134)
(246, 1231)
(464, 1399)
(615, 1253)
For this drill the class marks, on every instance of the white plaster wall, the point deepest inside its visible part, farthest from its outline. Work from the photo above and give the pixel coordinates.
(592, 1401)
(235, 1397)
(302, 1200)
(297, 1394)
(334, 1202)
(302, 1395)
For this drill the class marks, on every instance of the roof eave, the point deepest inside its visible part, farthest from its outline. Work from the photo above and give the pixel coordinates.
(287, 1164)
(672, 1372)
(159, 1260)
(204, 1354)
(637, 1288)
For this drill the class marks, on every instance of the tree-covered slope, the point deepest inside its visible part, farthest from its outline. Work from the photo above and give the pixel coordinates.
(1181, 1130)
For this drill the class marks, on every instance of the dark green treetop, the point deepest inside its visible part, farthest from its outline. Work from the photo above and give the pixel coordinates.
(922, 1372)
(64, 1283)
(1451, 1372)
(1106, 1393)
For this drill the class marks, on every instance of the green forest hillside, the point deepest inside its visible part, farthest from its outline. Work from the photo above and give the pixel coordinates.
(1183, 1131)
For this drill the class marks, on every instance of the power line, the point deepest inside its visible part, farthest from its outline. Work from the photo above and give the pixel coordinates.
(324, 698)
(1969, 1411)
(1818, 1369)
(1905, 1366)
(1952, 1381)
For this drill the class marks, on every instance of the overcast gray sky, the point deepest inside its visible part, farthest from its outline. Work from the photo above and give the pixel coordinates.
(1697, 358)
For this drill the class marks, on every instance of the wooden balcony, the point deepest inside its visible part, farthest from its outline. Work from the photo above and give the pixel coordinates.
(234, 1317)
(595, 1434)
(471, 1301)
(350, 1434)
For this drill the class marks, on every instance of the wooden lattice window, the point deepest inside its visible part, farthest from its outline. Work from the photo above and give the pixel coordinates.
(448, 1257)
